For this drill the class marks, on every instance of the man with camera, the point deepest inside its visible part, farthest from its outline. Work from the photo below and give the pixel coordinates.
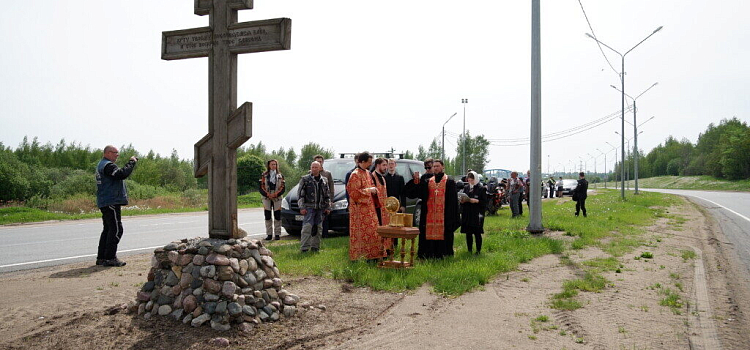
(111, 194)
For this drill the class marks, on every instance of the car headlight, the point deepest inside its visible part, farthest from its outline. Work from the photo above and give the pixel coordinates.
(285, 204)
(342, 204)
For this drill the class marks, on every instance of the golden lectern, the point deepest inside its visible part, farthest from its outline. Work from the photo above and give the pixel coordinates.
(399, 227)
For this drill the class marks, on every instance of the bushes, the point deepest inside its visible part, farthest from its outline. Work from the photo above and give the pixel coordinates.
(249, 169)
(76, 182)
(14, 183)
(139, 191)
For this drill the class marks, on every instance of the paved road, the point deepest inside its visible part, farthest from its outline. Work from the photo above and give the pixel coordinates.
(54, 243)
(731, 211)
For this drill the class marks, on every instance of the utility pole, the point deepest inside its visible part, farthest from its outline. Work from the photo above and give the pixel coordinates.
(464, 101)
(442, 143)
(535, 200)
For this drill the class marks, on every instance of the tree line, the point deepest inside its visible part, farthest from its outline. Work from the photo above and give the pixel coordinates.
(35, 170)
(57, 171)
(722, 151)
(476, 152)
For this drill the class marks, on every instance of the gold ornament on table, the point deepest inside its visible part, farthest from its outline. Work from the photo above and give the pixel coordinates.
(392, 205)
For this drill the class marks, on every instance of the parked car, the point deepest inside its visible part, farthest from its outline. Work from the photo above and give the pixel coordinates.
(338, 220)
(568, 186)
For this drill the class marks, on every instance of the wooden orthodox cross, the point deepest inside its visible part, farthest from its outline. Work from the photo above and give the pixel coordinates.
(228, 126)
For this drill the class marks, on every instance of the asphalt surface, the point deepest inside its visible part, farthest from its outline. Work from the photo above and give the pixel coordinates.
(29, 246)
(731, 210)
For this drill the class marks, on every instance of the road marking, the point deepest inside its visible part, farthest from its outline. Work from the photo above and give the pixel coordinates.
(72, 257)
(730, 210)
(91, 255)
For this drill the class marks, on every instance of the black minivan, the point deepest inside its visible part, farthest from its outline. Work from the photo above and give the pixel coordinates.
(291, 218)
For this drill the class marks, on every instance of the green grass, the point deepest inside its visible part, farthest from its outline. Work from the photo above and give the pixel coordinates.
(11, 215)
(603, 264)
(671, 300)
(501, 252)
(565, 300)
(688, 255)
(250, 200)
(506, 245)
(621, 222)
(708, 183)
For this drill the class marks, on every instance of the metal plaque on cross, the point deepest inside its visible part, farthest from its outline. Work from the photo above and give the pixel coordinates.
(228, 126)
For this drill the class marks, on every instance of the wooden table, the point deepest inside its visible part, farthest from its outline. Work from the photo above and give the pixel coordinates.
(405, 233)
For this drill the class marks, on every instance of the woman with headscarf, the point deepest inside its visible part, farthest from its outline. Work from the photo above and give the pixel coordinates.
(472, 211)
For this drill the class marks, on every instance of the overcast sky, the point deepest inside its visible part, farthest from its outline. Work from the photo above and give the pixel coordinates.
(375, 75)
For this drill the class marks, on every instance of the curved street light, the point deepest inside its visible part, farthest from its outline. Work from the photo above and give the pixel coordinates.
(635, 131)
(622, 82)
(442, 144)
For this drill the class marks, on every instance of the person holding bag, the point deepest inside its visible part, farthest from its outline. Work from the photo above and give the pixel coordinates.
(472, 211)
(271, 189)
(579, 194)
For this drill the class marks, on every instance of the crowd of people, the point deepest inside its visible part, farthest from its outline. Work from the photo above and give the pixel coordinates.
(442, 210)
(445, 205)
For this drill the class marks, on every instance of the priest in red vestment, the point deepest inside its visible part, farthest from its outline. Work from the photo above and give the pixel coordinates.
(364, 241)
(439, 216)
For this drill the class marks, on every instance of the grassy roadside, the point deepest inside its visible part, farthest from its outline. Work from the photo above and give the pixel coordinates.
(707, 183)
(18, 214)
(506, 244)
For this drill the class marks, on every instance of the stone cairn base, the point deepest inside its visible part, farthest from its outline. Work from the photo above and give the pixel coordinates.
(226, 282)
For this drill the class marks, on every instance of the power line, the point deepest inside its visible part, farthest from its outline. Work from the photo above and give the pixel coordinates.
(597, 42)
(560, 134)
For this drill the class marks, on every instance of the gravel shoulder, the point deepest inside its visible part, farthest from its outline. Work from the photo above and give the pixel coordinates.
(77, 305)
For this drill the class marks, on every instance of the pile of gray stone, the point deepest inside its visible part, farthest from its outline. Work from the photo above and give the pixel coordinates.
(217, 282)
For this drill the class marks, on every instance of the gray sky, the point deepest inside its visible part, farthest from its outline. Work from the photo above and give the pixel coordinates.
(376, 75)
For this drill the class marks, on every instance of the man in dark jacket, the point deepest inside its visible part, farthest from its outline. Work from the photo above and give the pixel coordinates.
(314, 201)
(395, 184)
(331, 190)
(580, 193)
(110, 195)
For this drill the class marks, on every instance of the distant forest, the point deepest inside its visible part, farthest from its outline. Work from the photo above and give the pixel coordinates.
(722, 151)
(35, 171)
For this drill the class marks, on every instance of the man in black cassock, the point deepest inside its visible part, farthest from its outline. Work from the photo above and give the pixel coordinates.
(419, 188)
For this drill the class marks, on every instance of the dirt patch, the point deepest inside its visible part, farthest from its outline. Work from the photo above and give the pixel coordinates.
(74, 306)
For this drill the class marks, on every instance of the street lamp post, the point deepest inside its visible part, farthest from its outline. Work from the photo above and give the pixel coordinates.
(442, 143)
(572, 166)
(635, 146)
(635, 131)
(615, 165)
(622, 82)
(605, 167)
(464, 101)
(594, 158)
(627, 173)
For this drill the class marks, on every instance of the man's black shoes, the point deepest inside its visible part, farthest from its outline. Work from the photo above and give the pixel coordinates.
(100, 262)
(269, 237)
(114, 262)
